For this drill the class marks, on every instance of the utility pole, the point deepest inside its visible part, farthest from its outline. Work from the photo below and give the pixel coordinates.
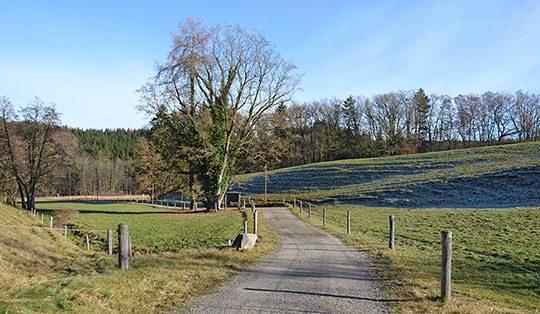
(153, 193)
(265, 182)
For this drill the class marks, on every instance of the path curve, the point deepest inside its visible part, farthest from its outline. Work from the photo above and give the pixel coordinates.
(310, 271)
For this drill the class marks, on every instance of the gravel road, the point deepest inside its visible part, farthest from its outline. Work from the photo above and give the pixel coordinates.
(310, 271)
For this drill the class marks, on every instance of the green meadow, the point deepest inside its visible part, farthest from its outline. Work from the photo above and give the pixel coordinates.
(152, 229)
(496, 257)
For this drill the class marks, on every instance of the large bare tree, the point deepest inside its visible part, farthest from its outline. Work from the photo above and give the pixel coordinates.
(31, 146)
(215, 86)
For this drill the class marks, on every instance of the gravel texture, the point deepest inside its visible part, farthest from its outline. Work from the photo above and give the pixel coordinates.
(310, 271)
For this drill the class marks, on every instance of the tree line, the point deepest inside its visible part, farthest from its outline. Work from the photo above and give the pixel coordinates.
(389, 124)
(39, 157)
(73, 161)
(221, 104)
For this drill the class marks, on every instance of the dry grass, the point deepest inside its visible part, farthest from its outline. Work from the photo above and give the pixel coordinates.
(41, 272)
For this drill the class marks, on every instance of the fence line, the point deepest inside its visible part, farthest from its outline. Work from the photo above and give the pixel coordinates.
(500, 259)
(30, 227)
(472, 250)
(240, 229)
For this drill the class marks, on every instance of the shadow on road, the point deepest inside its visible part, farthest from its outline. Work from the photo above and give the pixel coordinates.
(334, 295)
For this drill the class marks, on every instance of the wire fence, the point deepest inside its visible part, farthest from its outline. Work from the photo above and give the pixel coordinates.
(240, 229)
(456, 245)
(55, 228)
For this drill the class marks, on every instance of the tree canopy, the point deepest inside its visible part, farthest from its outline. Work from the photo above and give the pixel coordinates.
(210, 94)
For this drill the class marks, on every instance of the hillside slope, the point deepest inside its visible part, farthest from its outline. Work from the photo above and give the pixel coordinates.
(41, 272)
(36, 264)
(488, 177)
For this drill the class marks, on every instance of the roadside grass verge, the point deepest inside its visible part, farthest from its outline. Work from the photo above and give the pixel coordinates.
(485, 242)
(41, 272)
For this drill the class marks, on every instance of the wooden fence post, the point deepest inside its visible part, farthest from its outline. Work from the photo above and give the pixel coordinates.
(123, 246)
(294, 203)
(252, 206)
(324, 216)
(65, 232)
(87, 243)
(283, 199)
(348, 222)
(301, 206)
(255, 214)
(51, 225)
(130, 250)
(109, 241)
(309, 210)
(446, 266)
(391, 241)
(42, 219)
(245, 226)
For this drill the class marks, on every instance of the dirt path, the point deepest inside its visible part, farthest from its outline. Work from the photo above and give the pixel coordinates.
(310, 271)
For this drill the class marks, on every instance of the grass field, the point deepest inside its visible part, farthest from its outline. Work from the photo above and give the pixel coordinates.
(488, 197)
(41, 272)
(485, 243)
(487, 177)
(152, 229)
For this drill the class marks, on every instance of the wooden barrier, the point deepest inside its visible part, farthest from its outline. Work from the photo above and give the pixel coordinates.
(109, 241)
(446, 265)
(391, 241)
(255, 214)
(348, 222)
(123, 246)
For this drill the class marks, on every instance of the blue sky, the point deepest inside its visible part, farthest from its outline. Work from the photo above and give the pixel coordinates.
(89, 57)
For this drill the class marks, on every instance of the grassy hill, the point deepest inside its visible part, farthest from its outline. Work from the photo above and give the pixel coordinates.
(41, 272)
(472, 192)
(487, 177)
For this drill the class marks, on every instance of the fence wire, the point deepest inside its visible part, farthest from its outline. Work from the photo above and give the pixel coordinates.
(48, 228)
